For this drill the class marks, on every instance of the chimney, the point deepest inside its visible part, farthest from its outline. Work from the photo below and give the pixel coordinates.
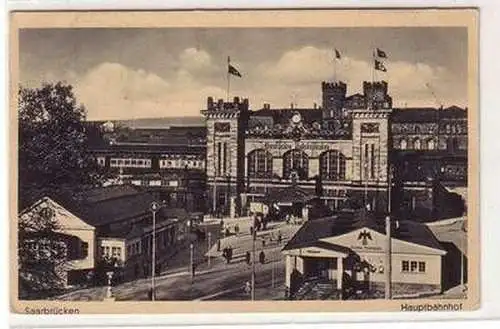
(210, 102)
(291, 106)
(315, 106)
(220, 103)
(236, 100)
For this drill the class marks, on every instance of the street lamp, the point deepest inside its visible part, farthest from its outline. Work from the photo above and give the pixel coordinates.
(155, 206)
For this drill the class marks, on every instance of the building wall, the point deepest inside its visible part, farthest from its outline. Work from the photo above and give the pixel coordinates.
(111, 248)
(370, 132)
(87, 236)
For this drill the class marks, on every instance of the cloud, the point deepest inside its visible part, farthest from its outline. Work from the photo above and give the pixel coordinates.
(114, 91)
(302, 70)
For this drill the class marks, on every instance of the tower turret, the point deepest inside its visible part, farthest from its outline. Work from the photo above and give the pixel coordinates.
(333, 99)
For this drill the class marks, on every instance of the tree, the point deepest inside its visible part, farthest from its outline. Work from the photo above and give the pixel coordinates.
(42, 254)
(53, 150)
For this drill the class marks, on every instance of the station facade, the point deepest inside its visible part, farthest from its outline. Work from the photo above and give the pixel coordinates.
(346, 149)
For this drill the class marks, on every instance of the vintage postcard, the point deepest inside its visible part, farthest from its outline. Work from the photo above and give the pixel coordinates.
(244, 161)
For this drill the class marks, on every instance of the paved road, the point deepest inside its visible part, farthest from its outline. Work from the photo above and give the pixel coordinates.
(219, 281)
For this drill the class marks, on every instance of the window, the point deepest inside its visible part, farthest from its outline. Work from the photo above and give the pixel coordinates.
(119, 252)
(219, 151)
(260, 163)
(296, 160)
(416, 144)
(413, 266)
(405, 266)
(224, 159)
(372, 161)
(107, 251)
(103, 251)
(113, 251)
(403, 144)
(430, 144)
(421, 267)
(332, 165)
(85, 249)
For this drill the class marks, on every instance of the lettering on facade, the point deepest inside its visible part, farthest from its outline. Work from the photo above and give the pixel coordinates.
(281, 145)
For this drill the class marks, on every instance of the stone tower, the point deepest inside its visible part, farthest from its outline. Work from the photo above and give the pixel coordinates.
(333, 94)
(226, 124)
(370, 134)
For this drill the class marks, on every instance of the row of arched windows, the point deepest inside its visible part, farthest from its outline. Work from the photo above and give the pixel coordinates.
(417, 144)
(332, 164)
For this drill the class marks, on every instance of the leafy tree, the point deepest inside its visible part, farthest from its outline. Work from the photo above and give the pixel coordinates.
(42, 254)
(52, 142)
(54, 161)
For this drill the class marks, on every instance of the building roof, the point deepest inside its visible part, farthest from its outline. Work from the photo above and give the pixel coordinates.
(427, 114)
(284, 115)
(346, 222)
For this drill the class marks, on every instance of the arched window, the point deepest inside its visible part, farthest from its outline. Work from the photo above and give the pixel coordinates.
(416, 144)
(431, 145)
(403, 144)
(295, 160)
(332, 165)
(260, 164)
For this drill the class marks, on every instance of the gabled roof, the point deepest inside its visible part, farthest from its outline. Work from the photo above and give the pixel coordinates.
(66, 219)
(347, 222)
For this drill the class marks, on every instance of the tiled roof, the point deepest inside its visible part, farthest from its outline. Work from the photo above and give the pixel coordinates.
(346, 222)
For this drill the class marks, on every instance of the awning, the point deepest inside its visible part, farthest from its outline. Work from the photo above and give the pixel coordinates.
(289, 195)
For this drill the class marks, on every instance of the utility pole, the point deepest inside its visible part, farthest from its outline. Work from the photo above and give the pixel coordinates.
(253, 260)
(154, 208)
(388, 271)
(191, 269)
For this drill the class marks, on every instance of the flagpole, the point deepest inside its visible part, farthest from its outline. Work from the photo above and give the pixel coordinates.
(228, 79)
(335, 66)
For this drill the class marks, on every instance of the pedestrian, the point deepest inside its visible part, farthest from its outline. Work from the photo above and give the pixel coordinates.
(263, 243)
(236, 229)
(279, 237)
(247, 257)
(248, 287)
(218, 244)
(262, 257)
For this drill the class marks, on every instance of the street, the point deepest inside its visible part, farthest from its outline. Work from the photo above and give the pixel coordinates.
(219, 281)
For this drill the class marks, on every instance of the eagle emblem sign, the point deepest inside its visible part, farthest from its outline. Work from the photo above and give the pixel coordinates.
(364, 236)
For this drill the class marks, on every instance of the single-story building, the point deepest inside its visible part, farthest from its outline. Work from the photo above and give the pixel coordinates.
(103, 227)
(349, 252)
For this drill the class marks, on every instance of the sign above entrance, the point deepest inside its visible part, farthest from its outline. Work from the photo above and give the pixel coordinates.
(288, 145)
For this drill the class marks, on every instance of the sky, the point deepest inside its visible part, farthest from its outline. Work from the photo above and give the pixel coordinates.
(169, 72)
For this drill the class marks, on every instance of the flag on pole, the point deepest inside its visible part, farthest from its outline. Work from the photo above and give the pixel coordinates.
(380, 66)
(231, 69)
(381, 53)
(337, 54)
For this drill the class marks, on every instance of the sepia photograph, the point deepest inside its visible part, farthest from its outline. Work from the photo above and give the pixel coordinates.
(245, 162)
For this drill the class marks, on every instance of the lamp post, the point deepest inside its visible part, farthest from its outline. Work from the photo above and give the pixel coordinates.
(191, 247)
(254, 236)
(154, 208)
(209, 246)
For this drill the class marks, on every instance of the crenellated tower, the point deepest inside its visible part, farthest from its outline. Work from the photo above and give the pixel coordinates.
(370, 129)
(333, 94)
(226, 124)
